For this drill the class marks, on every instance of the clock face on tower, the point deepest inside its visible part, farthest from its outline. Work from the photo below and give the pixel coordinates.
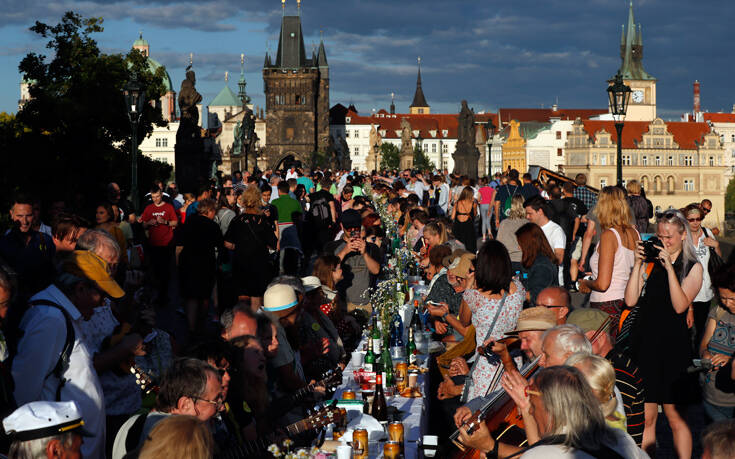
(637, 96)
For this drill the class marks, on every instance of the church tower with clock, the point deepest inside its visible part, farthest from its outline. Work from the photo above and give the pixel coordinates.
(642, 105)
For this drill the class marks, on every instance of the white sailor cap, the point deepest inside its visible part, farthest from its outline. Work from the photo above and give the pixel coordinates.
(44, 419)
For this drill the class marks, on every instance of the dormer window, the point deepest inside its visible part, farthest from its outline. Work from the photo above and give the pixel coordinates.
(433, 132)
(382, 132)
(415, 132)
(348, 119)
(445, 132)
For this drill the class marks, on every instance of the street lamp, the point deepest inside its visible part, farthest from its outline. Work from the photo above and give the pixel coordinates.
(619, 95)
(490, 135)
(134, 100)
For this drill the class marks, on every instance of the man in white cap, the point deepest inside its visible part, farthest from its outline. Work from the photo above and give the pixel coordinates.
(323, 349)
(45, 429)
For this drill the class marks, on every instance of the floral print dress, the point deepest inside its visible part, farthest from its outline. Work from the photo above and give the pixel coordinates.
(483, 312)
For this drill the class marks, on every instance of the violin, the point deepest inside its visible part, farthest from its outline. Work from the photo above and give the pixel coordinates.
(500, 412)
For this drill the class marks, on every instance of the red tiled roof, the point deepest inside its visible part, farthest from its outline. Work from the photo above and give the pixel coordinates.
(545, 114)
(719, 117)
(687, 134)
(424, 123)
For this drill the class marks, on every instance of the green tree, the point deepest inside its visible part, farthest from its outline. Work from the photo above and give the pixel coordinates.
(421, 161)
(74, 133)
(320, 159)
(390, 156)
(730, 196)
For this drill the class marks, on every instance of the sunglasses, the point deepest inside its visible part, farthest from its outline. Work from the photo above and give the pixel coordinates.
(706, 210)
(695, 219)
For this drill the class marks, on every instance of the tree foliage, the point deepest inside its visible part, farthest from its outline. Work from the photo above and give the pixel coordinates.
(390, 156)
(74, 134)
(730, 196)
(421, 161)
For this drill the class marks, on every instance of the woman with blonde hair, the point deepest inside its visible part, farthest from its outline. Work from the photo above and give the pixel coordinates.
(613, 259)
(463, 219)
(507, 231)
(252, 237)
(179, 436)
(600, 375)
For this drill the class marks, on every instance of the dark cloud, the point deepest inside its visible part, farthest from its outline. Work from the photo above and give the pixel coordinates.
(522, 53)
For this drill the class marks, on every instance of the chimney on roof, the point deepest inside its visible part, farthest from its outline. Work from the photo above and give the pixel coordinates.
(697, 106)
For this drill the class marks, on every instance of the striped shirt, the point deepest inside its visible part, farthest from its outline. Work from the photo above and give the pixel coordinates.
(630, 385)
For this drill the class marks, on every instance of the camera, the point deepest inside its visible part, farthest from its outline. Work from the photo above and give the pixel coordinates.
(650, 251)
(354, 233)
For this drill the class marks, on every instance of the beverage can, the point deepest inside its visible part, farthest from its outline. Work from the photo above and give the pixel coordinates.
(395, 432)
(391, 450)
(360, 444)
(401, 376)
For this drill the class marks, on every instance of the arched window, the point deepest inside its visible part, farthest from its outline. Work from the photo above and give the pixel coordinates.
(670, 184)
(644, 183)
(657, 184)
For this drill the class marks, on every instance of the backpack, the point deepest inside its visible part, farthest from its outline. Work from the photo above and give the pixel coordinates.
(63, 363)
(320, 213)
(508, 201)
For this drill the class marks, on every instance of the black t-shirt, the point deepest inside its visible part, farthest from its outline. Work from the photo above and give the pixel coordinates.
(563, 216)
(580, 209)
(319, 209)
(529, 191)
(503, 192)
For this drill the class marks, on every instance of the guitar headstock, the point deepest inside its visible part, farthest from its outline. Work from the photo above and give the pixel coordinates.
(325, 416)
(332, 379)
(143, 380)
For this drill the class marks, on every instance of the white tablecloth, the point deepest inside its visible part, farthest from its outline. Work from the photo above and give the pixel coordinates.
(414, 410)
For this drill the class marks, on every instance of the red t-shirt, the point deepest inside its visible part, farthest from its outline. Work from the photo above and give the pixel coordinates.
(160, 235)
(486, 195)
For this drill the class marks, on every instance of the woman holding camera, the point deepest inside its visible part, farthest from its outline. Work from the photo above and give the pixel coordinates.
(665, 279)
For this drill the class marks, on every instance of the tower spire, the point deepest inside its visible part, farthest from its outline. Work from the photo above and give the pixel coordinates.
(419, 104)
(631, 50)
(392, 103)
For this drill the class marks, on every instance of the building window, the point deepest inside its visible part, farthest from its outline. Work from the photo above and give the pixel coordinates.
(645, 161)
(711, 161)
(603, 182)
(733, 138)
(356, 150)
(298, 99)
(688, 185)
(626, 160)
(421, 111)
(558, 135)
(347, 134)
(670, 161)
(357, 134)
(164, 142)
(688, 161)
(559, 152)
(158, 141)
(658, 160)
(426, 148)
(603, 160)
(445, 148)
(433, 148)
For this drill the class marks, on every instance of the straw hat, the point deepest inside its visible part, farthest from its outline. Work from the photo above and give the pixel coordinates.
(538, 318)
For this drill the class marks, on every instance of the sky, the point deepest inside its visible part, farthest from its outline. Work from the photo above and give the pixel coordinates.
(524, 53)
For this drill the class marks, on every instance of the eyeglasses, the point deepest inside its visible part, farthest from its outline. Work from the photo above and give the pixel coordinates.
(706, 210)
(695, 219)
(216, 403)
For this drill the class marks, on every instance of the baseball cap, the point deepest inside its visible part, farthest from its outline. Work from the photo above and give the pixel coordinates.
(311, 283)
(351, 219)
(536, 318)
(588, 319)
(42, 419)
(83, 263)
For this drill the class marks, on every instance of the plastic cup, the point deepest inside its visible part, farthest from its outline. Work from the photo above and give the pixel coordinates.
(344, 452)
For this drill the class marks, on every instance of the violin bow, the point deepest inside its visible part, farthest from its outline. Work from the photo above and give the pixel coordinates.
(602, 328)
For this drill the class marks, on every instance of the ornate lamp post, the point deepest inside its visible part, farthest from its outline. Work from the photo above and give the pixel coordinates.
(619, 95)
(134, 100)
(248, 120)
(490, 135)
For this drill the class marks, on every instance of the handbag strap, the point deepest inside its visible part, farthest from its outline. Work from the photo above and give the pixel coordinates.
(469, 381)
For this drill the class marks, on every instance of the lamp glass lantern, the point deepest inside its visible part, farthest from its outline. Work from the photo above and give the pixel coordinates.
(134, 98)
(618, 94)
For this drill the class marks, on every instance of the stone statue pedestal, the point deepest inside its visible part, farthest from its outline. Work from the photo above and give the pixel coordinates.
(189, 156)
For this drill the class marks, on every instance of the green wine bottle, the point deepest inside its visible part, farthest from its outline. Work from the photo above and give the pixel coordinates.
(370, 357)
(410, 349)
(386, 364)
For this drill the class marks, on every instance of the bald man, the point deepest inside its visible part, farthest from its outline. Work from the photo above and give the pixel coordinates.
(558, 300)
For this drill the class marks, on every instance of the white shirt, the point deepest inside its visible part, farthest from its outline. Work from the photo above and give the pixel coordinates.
(623, 445)
(418, 189)
(291, 174)
(44, 336)
(705, 292)
(557, 240)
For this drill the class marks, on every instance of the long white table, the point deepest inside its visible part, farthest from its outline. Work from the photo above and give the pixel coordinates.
(414, 410)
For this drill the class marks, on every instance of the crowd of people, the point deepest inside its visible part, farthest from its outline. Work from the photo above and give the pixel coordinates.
(202, 324)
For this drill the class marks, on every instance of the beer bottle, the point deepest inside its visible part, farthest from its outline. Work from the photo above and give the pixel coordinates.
(380, 409)
(370, 357)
